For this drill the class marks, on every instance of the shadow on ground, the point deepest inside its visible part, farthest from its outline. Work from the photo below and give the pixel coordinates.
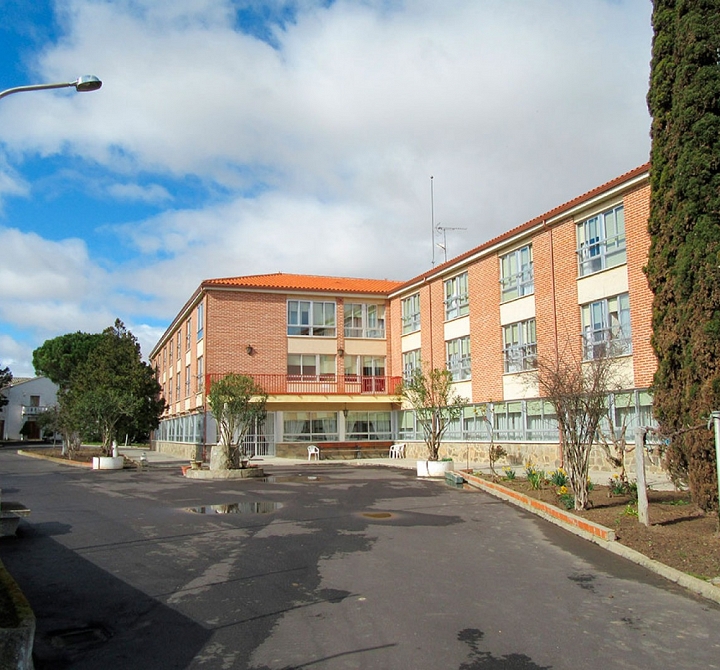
(86, 617)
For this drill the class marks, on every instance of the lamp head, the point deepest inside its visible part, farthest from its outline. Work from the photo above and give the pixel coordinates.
(87, 82)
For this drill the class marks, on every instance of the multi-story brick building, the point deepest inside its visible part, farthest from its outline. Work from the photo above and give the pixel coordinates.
(330, 351)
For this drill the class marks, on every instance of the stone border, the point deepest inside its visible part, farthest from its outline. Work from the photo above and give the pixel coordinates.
(238, 473)
(54, 459)
(600, 535)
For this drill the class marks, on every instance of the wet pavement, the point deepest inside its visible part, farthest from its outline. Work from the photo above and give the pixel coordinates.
(363, 567)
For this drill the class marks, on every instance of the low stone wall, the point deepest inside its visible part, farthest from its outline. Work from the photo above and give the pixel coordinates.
(545, 456)
(192, 452)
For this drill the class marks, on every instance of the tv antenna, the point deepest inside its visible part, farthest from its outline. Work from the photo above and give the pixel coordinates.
(443, 230)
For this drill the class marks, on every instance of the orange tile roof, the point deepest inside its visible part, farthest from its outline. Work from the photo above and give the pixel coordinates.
(291, 282)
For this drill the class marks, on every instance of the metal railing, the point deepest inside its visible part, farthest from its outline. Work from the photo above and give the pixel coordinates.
(325, 384)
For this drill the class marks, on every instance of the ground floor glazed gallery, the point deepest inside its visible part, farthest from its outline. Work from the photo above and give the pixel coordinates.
(527, 429)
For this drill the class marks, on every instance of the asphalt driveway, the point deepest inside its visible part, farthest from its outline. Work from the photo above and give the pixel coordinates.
(327, 567)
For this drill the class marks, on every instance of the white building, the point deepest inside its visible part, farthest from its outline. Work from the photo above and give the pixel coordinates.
(27, 398)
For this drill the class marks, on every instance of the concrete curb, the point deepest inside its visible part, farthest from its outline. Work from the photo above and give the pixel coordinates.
(600, 535)
(53, 459)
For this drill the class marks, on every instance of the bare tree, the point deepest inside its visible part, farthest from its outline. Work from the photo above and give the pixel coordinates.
(578, 390)
(614, 444)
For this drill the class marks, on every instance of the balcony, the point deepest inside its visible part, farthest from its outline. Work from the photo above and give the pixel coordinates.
(323, 384)
(29, 410)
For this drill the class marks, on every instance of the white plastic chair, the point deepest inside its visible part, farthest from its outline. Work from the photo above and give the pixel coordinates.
(397, 451)
(313, 451)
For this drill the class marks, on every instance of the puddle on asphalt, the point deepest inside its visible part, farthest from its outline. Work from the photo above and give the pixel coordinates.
(377, 515)
(292, 479)
(262, 507)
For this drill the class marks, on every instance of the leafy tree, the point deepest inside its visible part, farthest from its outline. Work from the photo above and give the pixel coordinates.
(684, 257)
(236, 402)
(58, 358)
(430, 392)
(578, 391)
(105, 387)
(5, 381)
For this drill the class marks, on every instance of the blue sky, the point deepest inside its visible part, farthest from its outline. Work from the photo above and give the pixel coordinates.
(238, 137)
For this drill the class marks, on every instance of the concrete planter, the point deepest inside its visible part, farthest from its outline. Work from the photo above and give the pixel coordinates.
(433, 468)
(237, 473)
(108, 462)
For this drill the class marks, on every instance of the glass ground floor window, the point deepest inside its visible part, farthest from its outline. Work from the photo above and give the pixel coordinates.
(368, 426)
(310, 427)
(188, 429)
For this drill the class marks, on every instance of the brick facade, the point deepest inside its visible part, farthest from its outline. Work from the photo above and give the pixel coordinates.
(246, 318)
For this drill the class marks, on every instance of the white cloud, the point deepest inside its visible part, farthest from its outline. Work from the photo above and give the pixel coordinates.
(152, 193)
(324, 146)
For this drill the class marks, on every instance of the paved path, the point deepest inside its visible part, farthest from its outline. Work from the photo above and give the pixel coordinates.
(326, 567)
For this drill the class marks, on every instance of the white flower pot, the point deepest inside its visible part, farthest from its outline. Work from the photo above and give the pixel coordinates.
(433, 468)
(108, 462)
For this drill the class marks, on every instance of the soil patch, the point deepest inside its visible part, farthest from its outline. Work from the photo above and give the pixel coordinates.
(679, 535)
(82, 455)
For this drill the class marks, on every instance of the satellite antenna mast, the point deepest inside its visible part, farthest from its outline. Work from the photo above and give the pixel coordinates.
(432, 220)
(443, 230)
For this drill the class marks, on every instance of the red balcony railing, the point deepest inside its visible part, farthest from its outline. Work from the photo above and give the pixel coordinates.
(323, 384)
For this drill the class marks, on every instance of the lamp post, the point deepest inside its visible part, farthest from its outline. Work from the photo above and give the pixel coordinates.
(87, 82)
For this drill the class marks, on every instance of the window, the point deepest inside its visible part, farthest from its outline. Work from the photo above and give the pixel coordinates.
(164, 358)
(310, 427)
(541, 421)
(311, 367)
(411, 314)
(170, 349)
(363, 320)
(188, 331)
(456, 297)
(410, 362)
(368, 426)
(520, 346)
(601, 242)
(606, 327)
(200, 374)
(188, 377)
(507, 420)
(200, 320)
(306, 317)
(179, 344)
(369, 370)
(458, 358)
(516, 274)
(177, 386)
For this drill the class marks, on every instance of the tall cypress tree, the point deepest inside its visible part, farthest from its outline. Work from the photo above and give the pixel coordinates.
(684, 261)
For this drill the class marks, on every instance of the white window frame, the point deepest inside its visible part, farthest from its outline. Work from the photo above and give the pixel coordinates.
(606, 327)
(517, 278)
(520, 346)
(411, 361)
(457, 356)
(200, 320)
(200, 373)
(311, 367)
(366, 320)
(411, 314)
(601, 241)
(311, 318)
(457, 298)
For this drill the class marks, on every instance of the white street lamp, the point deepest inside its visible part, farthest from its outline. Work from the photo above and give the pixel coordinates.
(87, 82)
